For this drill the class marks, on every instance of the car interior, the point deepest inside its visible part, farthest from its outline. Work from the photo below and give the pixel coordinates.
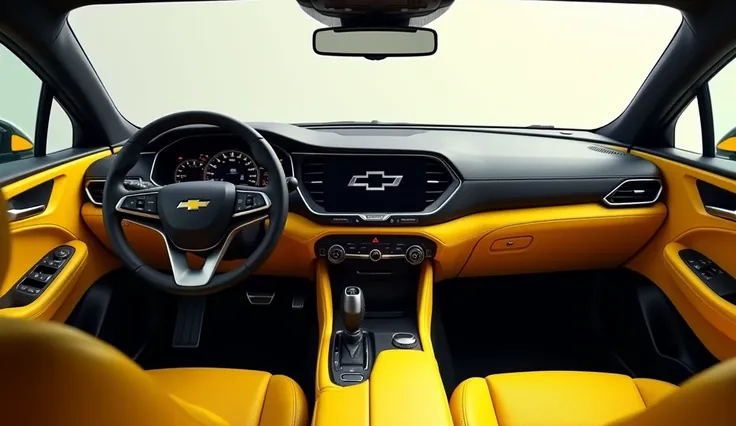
(206, 269)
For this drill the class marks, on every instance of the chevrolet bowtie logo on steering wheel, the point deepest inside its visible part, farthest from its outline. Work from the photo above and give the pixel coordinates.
(375, 181)
(193, 204)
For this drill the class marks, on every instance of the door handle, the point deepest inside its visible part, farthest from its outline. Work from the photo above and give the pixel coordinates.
(721, 212)
(18, 214)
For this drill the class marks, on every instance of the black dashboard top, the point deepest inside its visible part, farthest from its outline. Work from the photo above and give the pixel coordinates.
(399, 175)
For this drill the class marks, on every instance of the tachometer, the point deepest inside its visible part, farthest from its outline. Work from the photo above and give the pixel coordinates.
(234, 167)
(189, 170)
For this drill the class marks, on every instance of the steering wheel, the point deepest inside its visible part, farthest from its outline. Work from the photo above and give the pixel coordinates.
(199, 217)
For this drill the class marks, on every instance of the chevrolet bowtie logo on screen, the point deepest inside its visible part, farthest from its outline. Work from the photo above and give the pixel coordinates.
(375, 181)
(193, 204)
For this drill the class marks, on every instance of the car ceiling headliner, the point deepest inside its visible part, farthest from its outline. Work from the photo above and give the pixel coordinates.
(64, 6)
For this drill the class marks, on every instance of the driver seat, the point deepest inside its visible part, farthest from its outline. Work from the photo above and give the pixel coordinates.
(53, 374)
(56, 375)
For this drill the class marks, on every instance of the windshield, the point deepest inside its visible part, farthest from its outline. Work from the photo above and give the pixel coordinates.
(498, 63)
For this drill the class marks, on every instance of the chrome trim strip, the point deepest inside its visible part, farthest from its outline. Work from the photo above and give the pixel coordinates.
(721, 212)
(86, 189)
(185, 277)
(20, 214)
(367, 257)
(636, 203)
(375, 216)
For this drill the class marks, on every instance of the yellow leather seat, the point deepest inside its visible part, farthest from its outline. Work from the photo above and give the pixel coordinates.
(56, 375)
(595, 399)
(51, 374)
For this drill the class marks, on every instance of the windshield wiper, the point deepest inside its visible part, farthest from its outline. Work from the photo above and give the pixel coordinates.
(540, 126)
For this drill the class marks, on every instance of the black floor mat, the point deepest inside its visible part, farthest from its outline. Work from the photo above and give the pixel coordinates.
(235, 334)
(524, 323)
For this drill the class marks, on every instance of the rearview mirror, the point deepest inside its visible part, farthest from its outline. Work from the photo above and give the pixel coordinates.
(375, 43)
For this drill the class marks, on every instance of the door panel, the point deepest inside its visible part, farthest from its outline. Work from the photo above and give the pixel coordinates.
(58, 223)
(690, 226)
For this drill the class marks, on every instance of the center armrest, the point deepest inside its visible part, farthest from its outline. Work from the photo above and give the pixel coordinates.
(406, 389)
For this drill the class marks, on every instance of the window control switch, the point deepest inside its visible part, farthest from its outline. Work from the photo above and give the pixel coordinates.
(712, 275)
(41, 275)
(52, 262)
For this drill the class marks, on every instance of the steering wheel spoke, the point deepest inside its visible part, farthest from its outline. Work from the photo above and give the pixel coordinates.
(139, 204)
(184, 276)
(252, 205)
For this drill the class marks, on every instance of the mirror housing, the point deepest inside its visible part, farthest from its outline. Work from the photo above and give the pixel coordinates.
(375, 43)
(14, 143)
(20, 144)
(727, 147)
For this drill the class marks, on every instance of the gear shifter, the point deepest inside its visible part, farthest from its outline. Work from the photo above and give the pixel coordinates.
(353, 310)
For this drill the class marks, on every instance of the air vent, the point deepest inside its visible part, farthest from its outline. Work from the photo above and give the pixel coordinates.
(94, 190)
(312, 178)
(603, 150)
(438, 180)
(635, 192)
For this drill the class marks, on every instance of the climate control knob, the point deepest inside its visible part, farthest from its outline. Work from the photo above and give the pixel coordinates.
(414, 255)
(336, 254)
(375, 255)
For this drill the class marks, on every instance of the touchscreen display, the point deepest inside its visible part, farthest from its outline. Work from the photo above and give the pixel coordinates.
(374, 184)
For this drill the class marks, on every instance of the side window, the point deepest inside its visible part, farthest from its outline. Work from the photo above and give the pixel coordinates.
(60, 133)
(21, 92)
(688, 131)
(722, 91)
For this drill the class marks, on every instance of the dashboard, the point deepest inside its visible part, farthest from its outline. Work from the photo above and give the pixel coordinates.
(487, 202)
(210, 157)
(404, 176)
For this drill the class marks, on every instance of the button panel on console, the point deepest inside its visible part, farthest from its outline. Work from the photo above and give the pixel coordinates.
(376, 248)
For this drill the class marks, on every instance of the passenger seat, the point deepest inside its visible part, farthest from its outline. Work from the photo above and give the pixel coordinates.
(569, 398)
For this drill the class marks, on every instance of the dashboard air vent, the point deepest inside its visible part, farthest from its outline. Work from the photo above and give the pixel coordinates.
(604, 150)
(94, 191)
(438, 180)
(635, 192)
(312, 178)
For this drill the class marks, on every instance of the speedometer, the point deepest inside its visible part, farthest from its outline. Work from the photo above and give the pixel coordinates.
(189, 170)
(234, 167)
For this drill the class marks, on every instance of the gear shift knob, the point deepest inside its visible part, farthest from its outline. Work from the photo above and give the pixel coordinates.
(353, 309)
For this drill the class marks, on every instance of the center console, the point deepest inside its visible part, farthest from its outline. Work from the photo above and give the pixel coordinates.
(376, 363)
(374, 285)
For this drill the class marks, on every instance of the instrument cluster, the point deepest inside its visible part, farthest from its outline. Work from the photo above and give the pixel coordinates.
(221, 158)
